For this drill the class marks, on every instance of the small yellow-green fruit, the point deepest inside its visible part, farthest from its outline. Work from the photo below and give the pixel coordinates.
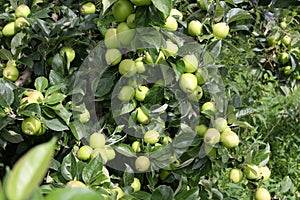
(251, 171)
(163, 174)
(142, 163)
(151, 137)
(69, 51)
(119, 191)
(220, 124)
(140, 67)
(196, 95)
(171, 49)
(220, 30)
(125, 33)
(176, 14)
(84, 117)
(113, 56)
(142, 117)
(127, 67)
(9, 29)
(22, 11)
(174, 162)
(262, 194)
(126, 93)
(230, 139)
(75, 184)
(136, 146)
(170, 24)
(166, 140)
(212, 136)
(188, 82)
(131, 20)
(195, 28)
(208, 106)
(37, 95)
(111, 40)
(11, 73)
(84, 152)
(136, 184)
(110, 152)
(88, 8)
(31, 126)
(141, 92)
(21, 22)
(97, 140)
(122, 9)
(201, 129)
(190, 63)
(236, 175)
(101, 152)
(264, 173)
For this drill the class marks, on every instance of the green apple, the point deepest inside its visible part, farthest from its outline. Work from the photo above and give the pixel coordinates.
(31, 126)
(212, 136)
(142, 117)
(69, 52)
(283, 25)
(166, 140)
(151, 137)
(286, 40)
(142, 163)
(127, 68)
(264, 173)
(220, 124)
(136, 146)
(35, 2)
(190, 63)
(110, 152)
(141, 2)
(28, 100)
(124, 33)
(251, 171)
(170, 24)
(195, 28)
(201, 129)
(141, 92)
(21, 22)
(22, 11)
(236, 175)
(174, 162)
(111, 40)
(84, 152)
(9, 29)
(262, 194)
(101, 152)
(122, 9)
(188, 82)
(229, 139)
(42, 130)
(176, 14)
(287, 70)
(136, 184)
(284, 57)
(113, 56)
(119, 191)
(36, 95)
(84, 117)
(97, 140)
(126, 93)
(140, 67)
(148, 58)
(11, 73)
(88, 8)
(272, 40)
(208, 106)
(163, 174)
(196, 95)
(75, 184)
(131, 21)
(220, 30)
(170, 49)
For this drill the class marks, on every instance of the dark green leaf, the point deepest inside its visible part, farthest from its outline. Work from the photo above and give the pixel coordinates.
(236, 14)
(56, 125)
(93, 170)
(164, 6)
(41, 83)
(188, 195)
(69, 167)
(5, 54)
(54, 98)
(77, 193)
(162, 192)
(11, 136)
(78, 129)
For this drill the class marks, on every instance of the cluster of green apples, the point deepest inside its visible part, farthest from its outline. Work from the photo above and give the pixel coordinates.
(96, 147)
(254, 173)
(281, 43)
(11, 72)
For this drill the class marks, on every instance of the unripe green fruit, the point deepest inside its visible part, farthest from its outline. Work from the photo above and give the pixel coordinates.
(111, 40)
(9, 29)
(11, 73)
(188, 82)
(124, 33)
(84, 153)
(84, 117)
(22, 11)
(113, 56)
(75, 184)
(164, 174)
(151, 137)
(21, 22)
(262, 194)
(69, 51)
(208, 106)
(287, 70)
(119, 191)
(97, 140)
(131, 20)
(220, 30)
(195, 28)
(142, 163)
(122, 9)
(283, 25)
(127, 68)
(101, 152)
(136, 184)
(284, 57)
(201, 129)
(286, 40)
(110, 152)
(236, 175)
(42, 130)
(212, 136)
(174, 162)
(220, 124)
(148, 58)
(196, 95)
(176, 14)
(264, 173)
(142, 117)
(88, 8)
(141, 92)
(141, 2)
(190, 63)
(37, 95)
(170, 24)
(126, 93)
(136, 146)
(171, 49)
(140, 67)
(251, 171)
(28, 100)
(272, 40)
(160, 57)
(31, 126)
(166, 140)
(229, 139)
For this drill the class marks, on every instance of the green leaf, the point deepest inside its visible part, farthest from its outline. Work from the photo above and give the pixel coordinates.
(164, 6)
(188, 195)
(219, 13)
(69, 167)
(5, 54)
(236, 14)
(41, 83)
(286, 184)
(17, 41)
(93, 170)
(106, 4)
(62, 112)
(78, 129)
(54, 98)
(29, 171)
(128, 175)
(56, 125)
(6, 92)
(31, 110)
(125, 149)
(162, 192)
(75, 193)
(11, 136)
